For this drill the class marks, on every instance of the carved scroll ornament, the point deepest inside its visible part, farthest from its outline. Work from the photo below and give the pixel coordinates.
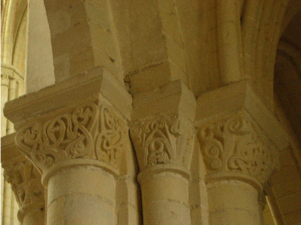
(162, 140)
(89, 131)
(234, 145)
(26, 185)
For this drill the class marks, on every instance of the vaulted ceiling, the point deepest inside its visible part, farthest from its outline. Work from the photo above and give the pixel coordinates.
(288, 72)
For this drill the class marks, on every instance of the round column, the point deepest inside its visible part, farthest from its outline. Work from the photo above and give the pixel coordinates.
(26, 184)
(261, 205)
(165, 195)
(80, 194)
(239, 162)
(35, 217)
(233, 201)
(79, 154)
(7, 204)
(163, 148)
(4, 98)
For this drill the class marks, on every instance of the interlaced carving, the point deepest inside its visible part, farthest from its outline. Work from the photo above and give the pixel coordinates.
(89, 131)
(111, 137)
(234, 145)
(159, 140)
(26, 185)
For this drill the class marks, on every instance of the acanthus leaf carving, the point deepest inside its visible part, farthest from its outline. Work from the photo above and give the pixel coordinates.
(90, 131)
(235, 145)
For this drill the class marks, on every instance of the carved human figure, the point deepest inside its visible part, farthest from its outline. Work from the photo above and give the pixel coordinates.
(166, 139)
(163, 146)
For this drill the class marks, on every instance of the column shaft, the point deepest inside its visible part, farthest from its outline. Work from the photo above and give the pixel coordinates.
(7, 204)
(240, 140)
(3, 121)
(8, 92)
(81, 195)
(13, 217)
(78, 143)
(4, 98)
(34, 218)
(233, 202)
(165, 199)
(11, 95)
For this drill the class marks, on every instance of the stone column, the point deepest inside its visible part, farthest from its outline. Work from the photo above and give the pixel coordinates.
(8, 208)
(29, 192)
(77, 141)
(240, 141)
(238, 163)
(162, 133)
(25, 183)
(4, 82)
(262, 203)
(4, 99)
(12, 83)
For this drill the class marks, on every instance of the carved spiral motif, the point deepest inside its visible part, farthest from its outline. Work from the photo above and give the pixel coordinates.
(175, 128)
(239, 125)
(109, 142)
(137, 132)
(234, 145)
(255, 158)
(212, 147)
(88, 131)
(26, 184)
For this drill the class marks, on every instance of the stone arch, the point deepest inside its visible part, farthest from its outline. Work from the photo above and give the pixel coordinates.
(82, 37)
(39, 68)
(288, 83)
(32, 59)
(13, 38)
(9, 10)
(261, 23)
(286, 94)
(287, 60)
(146, 45)
(20, 45)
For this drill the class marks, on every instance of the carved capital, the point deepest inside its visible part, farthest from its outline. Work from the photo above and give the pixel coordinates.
(233, 146)
(166, 139)
(26, 184)
(90, 131)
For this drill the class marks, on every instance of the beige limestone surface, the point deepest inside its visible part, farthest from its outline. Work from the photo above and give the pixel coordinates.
(152, 112)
